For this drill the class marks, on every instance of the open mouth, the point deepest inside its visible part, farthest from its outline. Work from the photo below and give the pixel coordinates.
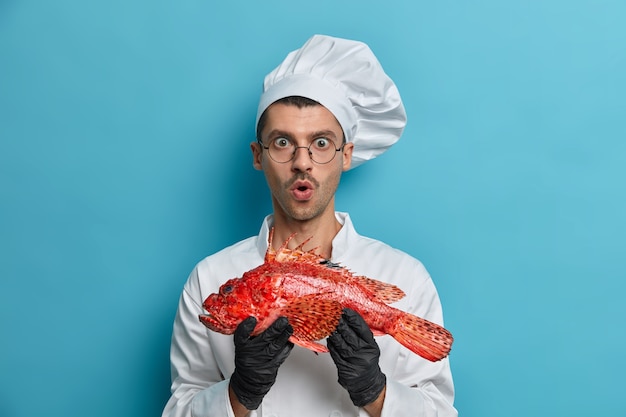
(217, 325)
(210, 321)
(302, 190)
(301, 185)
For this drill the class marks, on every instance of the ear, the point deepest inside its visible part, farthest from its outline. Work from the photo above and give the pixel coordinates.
(347, 155)
(257, 154)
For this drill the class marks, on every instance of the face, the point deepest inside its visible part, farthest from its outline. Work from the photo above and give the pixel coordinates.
(301, 189)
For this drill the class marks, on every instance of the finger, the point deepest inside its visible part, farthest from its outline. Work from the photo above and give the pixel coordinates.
(281, 341)
(358, 325)
(242, 333)
(338, 349)
(350, 337)
(353, 318)
(282, 355)
(343, 340)
(277, 334)
(281, 325)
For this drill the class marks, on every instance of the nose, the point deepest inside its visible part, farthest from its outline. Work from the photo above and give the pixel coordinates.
(301, 159)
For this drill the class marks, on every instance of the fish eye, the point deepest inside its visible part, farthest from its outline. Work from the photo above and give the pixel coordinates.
(226, 289)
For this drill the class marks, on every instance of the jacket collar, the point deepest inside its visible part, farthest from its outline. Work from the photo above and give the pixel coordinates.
(340, 242)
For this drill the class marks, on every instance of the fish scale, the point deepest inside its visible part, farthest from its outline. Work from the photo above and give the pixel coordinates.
(312, 292)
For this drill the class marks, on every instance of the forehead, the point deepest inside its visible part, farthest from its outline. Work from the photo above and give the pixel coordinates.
(300, 121)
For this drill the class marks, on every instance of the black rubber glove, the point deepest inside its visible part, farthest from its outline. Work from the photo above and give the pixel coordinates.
(257, 359)
(356, 354)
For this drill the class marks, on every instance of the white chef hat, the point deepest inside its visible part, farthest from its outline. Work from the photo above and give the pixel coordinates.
(346, 78)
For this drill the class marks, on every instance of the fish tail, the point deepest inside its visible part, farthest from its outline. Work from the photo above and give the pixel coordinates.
(429, 340)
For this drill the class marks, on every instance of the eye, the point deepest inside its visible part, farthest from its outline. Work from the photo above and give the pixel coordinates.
(226, 289)
(321, 143)
(281, 143)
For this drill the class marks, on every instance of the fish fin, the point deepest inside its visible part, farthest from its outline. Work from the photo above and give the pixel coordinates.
(283, 254)
(270, 254)
(314, 346)
(387, 293)
(429, 340)
(312, 317)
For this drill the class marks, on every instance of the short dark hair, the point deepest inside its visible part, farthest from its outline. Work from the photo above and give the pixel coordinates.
(297, 101)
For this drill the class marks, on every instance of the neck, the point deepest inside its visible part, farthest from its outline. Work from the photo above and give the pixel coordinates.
(321, 231)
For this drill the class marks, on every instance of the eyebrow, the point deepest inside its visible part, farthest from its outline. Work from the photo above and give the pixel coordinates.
(277, 133)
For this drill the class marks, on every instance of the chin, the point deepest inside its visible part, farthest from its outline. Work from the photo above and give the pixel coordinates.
(303, 214)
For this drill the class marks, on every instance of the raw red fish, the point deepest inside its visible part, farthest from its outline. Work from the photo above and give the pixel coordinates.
(312, 292)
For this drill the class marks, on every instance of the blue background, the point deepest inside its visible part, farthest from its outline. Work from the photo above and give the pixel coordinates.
(124, 159)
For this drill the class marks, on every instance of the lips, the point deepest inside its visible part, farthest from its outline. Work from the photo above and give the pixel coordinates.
(301, 190)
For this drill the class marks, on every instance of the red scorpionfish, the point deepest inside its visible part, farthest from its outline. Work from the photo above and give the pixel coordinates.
(311, 292)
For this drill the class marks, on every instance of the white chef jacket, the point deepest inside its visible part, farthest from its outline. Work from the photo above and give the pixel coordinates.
(306, 385)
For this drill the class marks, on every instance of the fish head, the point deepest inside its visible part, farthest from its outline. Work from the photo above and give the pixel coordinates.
(238, 299)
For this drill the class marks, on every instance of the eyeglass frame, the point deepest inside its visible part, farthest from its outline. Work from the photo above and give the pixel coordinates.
(308, 148)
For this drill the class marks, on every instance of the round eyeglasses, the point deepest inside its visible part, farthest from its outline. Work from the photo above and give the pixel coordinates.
(283, 150)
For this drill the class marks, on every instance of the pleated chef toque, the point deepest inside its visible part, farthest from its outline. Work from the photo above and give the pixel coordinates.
(346, 78)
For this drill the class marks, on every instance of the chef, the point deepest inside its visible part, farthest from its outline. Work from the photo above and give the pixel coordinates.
(327, 108)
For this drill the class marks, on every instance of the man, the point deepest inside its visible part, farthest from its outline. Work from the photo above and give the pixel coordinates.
(327, 108)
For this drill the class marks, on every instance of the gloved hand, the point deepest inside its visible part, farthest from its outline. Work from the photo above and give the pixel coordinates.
(257, 359)
(356, 354)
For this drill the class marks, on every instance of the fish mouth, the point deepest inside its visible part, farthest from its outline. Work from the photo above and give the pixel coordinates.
(213, 323)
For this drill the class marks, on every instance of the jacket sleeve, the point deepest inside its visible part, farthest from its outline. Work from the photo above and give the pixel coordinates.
(429, 399)
(416, 386)
(198, 387)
